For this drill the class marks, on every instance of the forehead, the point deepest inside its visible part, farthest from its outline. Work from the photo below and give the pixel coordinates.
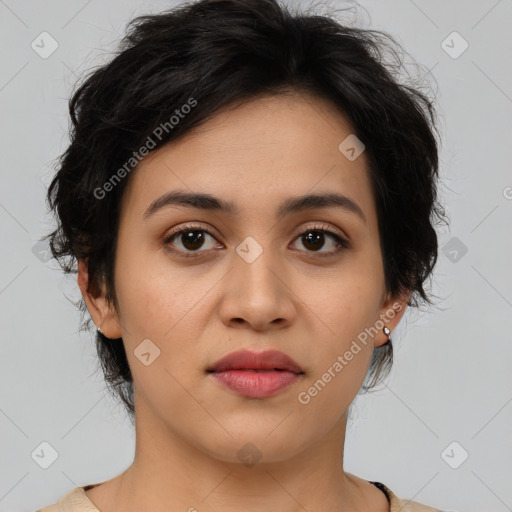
(256, 153)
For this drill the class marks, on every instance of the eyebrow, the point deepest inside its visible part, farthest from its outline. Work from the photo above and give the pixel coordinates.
(296, 204)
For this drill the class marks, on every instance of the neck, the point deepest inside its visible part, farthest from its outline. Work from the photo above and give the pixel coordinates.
(167, 470)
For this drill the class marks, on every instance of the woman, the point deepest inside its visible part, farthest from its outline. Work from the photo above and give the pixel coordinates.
(249, 197)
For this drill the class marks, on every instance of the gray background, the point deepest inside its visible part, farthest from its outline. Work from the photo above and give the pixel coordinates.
(451, 380)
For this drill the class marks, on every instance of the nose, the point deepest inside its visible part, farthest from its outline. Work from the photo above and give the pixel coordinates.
(258, 295)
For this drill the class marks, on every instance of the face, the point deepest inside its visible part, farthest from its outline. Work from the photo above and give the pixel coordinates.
(308, 282)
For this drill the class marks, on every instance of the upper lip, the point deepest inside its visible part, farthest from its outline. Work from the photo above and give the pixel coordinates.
(248, 360)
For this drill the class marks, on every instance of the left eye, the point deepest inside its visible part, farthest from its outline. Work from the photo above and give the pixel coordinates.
(315, 237)
(192, 238)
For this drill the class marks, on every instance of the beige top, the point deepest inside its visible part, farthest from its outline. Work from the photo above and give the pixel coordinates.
(77, 501)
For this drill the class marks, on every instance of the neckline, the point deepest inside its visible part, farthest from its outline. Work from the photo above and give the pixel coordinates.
(382, 488)
(379, 486)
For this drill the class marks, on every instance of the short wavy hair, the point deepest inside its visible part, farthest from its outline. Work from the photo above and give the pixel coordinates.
(221, 52)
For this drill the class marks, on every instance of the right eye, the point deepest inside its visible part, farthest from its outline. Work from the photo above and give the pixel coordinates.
(191, 238)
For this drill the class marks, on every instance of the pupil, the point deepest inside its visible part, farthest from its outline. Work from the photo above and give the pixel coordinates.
(193, 238)
(315, 238)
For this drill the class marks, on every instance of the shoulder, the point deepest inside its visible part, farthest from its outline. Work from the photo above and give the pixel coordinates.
(397, 504)
(74, 501)
(411, 506)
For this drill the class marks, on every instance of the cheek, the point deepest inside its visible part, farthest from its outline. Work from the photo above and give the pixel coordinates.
(160, 305)
(166, 304)
(338, 376)
(350, 302)
(348, 349)
(155, 295)
(349, 306)
(343, 357)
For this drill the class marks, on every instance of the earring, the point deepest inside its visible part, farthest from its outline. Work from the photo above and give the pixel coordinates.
(98, 329)
(387, 332)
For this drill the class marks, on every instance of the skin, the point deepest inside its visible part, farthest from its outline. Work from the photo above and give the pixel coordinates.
(197, 310)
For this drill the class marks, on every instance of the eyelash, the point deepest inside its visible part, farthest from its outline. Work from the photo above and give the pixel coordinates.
(342, 244)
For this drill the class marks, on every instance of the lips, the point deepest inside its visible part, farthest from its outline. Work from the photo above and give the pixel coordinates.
(256, 374)
(247, 360)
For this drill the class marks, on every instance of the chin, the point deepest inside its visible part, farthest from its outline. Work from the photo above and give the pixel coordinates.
(252, 446)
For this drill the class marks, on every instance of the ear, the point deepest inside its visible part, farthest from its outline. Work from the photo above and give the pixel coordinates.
(102, 313)
(391, 313)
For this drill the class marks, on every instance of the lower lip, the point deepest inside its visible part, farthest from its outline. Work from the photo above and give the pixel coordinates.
(253, 384)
